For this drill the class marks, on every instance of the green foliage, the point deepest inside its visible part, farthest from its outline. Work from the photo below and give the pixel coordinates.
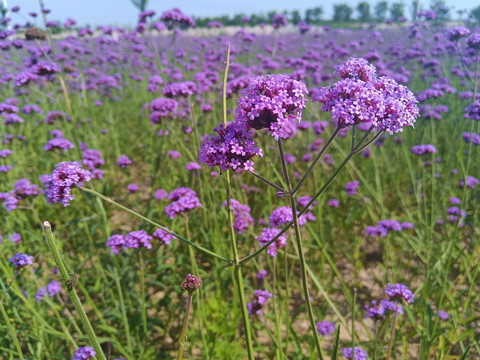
(381, 9)
(397, 10)
(141, 5)
(342, 12)
(363, 9)
(475, 14)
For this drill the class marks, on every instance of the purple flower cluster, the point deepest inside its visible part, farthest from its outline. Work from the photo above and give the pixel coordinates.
(423, 149)
(283, 215)
(457, 33)
(471, 137)
(385, 226)
(472, 111)
(133, 240)
(58, 143)
(267, 235)
(191, 284)
(361, 98)
(52, 288)
(162, 108)
(279, 20)
(242, 218)
(163, 236)
(399, 292)
(377, 309)
(123, 161)
(470, 182)
(272, 102)
(21, 190)
(20, 260)
(351, 187)
(84, 353)
(233, 148)
(325, 328)
(359, 353)
(175, 17)
(181, 89)
(183, 200)
(65, 177)
(256, 306)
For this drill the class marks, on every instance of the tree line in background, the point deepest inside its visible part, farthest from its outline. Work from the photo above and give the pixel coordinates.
(344, 12)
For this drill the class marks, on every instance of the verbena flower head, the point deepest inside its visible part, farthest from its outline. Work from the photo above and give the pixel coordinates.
(283, 215)
(423, 149)
(184, 199)
(267, 235)
(325, 328)
(361, 98)
(162, 108)
(255, 307)
(176, 17)
(84, 353)
(360, 354)
(242, 218)
(233, 148)
(163, 236)
(399, 292)
(351, 187)
(65, 177)
(191, 284)
(20, 260)
(123, 161)
(473, 41)
(271, 102)
(472, 111)
(457, 33)
(279, 20)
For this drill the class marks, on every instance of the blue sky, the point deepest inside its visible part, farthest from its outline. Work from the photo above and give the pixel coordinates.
(122, 12)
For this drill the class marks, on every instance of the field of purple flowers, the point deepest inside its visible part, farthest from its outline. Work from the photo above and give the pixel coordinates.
(267, 195)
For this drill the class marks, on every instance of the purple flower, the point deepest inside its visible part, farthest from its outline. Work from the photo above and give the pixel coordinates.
(175, 17)
(191, 284)
(160, 194)
(162, 108)
(184, 199)
(333, 203)
(262, 274)
(123, 161)
(15, 238)
(55, 115)
(380, 102)
(360, 354)
(443, 315)
(472, 111)
(51, 290)
(84, 353)
(132, 188)
(58, 143)
(423, 149)
(271, 102)
(473, 42)
(399, 292)
(242, 218)
(192, 166)
(116, 243)
(163, 235)
(325, 328)
(471, 137)
(21, 260)
(351, 187)
(233, 148)
(455, 200)
(44, 67)
(267, 235)
(255, 306)
(279, 20)
(283, 215)
(182, 89)
(65, 177)
(137, 239)
(92, 158)
(471, 182)
(173, 154)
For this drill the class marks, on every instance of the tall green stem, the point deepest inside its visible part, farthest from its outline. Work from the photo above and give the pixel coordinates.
(11, 330)
(236, 270)
(183, 337)
(301, 255)
(70, 285)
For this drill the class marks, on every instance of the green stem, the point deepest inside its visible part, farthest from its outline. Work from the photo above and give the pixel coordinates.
(11, 330)
(237, 270)
(301, 255)
(183, 337)
(268, 182)
(198, 247)
(142, 290)
(71, 290)
(390, 343)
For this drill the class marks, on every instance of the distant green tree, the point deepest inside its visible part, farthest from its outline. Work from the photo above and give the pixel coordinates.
(141, 5)
(442, 10)
(342, 12)
(397, 11)
(295, 17)
(313, 15)
(414, 9)
(270, 16)
(363, 10)
(381, 9)
(475, 14)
